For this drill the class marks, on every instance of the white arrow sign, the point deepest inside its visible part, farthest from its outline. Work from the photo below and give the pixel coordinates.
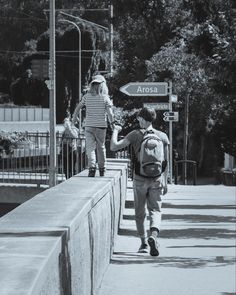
(171, 116)
(145, 89)
(173, 119)
(175, 114)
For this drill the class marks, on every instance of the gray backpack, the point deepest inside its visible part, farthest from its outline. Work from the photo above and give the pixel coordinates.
(151, 155)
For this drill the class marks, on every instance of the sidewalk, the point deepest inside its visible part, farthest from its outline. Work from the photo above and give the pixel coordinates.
(198, 246)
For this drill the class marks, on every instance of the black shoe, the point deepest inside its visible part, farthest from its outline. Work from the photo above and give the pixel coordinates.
(92, 172)
(102, 171)
(153, 246)
(143, 248)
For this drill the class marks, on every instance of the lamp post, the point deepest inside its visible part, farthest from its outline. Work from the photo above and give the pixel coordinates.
(79, 88)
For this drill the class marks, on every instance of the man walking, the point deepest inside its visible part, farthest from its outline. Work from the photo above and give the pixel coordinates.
(150, 179)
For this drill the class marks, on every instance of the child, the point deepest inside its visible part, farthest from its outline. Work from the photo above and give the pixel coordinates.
(98, 107)
(69, 148)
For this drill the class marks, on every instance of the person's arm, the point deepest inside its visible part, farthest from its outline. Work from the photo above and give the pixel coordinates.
(110, 115)
(115, 144)
(109, 111)
(77, 110)
(76, 113)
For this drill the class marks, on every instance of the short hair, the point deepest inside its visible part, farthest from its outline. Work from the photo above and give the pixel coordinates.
(148, 114)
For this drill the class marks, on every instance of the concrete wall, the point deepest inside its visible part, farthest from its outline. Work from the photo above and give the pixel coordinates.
(60, 241)
(15, 193)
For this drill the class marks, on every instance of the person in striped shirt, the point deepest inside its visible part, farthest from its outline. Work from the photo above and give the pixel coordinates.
(98, 107)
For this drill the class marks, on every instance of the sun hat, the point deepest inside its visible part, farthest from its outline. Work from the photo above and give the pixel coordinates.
(98, 79)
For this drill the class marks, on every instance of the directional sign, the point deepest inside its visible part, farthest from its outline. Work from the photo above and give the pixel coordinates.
(175, 114)
(157, 105)
(173, 119)
(145, 89)
(171, 116)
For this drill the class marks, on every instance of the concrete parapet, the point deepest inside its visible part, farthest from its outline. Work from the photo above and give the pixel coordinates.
(61, 240)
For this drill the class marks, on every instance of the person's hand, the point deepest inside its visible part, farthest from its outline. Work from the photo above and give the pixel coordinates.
(74, 120)
(117, 127)
(67, 123)
(165, 189)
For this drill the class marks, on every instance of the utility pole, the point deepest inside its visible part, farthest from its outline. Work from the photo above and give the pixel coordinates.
(111, 40)
(52, 102)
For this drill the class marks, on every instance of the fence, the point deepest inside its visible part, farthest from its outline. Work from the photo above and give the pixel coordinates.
(28, 162)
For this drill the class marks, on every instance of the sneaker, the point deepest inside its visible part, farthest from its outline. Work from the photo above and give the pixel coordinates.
(92, 172)
(143, 248)
(102, 171)
(153, 246)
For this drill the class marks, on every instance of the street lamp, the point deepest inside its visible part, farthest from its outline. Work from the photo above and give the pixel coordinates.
(89, 23)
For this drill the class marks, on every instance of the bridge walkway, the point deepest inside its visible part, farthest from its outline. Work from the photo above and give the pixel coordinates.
(197, 246)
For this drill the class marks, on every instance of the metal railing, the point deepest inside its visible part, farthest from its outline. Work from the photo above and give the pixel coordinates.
(185, 162)
(29, 161)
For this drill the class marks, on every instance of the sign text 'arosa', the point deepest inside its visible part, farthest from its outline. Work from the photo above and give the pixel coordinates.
(145, 89)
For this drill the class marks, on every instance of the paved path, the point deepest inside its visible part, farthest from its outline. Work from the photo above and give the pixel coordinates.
(198, 248)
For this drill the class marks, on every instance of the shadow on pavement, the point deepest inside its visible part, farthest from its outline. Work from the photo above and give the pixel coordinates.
(198, 218)
(197, 233)
(180, 262)
(130, 204)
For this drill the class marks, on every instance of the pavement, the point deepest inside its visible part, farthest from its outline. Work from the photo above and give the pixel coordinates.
(197, 246)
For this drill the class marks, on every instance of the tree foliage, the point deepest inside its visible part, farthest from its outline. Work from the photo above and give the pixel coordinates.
(190, 42)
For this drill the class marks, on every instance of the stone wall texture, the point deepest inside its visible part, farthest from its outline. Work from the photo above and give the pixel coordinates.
(61, 240)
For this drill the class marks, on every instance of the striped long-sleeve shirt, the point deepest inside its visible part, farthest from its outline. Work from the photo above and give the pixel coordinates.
(96, 110)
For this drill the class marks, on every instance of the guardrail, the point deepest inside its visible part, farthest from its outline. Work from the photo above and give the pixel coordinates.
(29, 163)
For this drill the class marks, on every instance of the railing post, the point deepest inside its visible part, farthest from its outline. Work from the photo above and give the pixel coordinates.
(194, 173)
(176, 172)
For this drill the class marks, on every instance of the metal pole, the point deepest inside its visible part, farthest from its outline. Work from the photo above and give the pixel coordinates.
(52, 102)
(79, 88)
(170, 134)
(185, 156)
(111, 40)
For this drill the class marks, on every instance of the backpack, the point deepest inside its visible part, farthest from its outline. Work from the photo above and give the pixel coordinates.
(151, 155)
